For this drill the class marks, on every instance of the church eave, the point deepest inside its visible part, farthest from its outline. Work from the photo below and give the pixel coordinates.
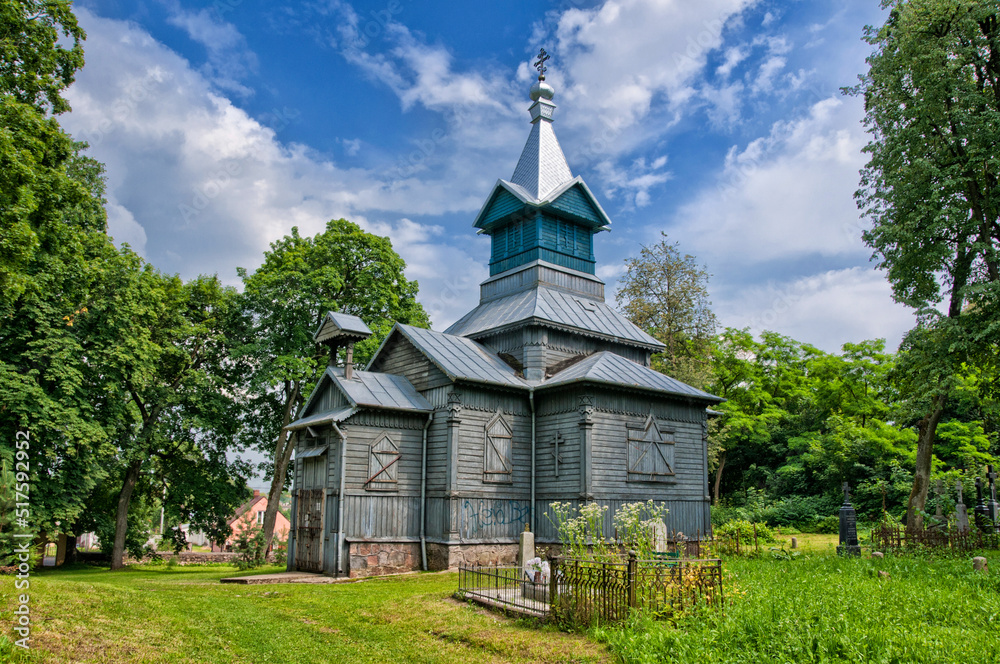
(542, 322)
(628, 387)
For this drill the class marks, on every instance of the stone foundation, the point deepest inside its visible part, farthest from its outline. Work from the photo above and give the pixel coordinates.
(442, 556)
(377, 558)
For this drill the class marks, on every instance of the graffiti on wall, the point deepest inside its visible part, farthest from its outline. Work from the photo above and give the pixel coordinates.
(493, 518)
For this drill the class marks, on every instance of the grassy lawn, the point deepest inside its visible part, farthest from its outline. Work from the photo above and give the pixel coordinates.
(155, 614)
(815, 607)
(822, 608)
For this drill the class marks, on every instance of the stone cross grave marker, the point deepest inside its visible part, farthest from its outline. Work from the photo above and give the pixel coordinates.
(993, 506)
(961, 512)
(939, 496)
(848, 527)
(981, 512)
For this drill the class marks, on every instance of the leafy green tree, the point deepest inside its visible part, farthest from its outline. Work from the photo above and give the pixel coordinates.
(341, 269)
(930, 190)
(161, 346)
(666, 294)
(52, 248)
(35, 63)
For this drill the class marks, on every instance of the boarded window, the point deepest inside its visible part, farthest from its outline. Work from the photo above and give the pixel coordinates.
(383, 465)
(497, 466)
(650, 453)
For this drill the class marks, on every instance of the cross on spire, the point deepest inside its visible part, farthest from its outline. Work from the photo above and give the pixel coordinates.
(540, 64)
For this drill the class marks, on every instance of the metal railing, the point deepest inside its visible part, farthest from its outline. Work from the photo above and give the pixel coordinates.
(582, 590)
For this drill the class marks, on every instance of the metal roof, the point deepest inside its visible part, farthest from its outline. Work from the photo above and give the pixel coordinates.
(542, 166)
(611, 369)
(459, 358)
(381, 390)
(337, 325)
(338, 415)
(557, 308)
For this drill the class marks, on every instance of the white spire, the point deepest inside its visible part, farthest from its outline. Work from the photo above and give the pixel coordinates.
(542, 166)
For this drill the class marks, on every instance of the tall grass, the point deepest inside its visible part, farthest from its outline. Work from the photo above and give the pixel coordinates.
(829, 609)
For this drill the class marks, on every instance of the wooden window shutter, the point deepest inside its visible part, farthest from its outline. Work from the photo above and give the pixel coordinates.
(383, 465)
(650, 453)
(497, 466)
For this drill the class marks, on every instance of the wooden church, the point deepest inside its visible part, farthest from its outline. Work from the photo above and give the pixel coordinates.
(450, 443)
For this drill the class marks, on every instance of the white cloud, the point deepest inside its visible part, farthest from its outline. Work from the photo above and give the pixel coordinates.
(634, 182)
(781, 233)
(787, 194)
(765, 75)
(825, 309)
(229, 58)
(627, 61)
(200, 186)
(734, 56)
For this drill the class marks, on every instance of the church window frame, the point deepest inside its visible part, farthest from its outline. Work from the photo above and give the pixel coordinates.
(651, 453)
(498, 451)
(383, 464)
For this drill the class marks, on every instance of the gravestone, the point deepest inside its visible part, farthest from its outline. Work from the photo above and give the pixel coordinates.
(961, 512)
(848, 527)
(659, 536)
(939, 521)
(992, 505)
(981, 512)
(526, 548)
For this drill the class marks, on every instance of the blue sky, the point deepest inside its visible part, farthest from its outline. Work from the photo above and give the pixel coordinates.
(719, 122)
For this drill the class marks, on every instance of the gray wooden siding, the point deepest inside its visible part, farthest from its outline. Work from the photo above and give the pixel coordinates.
(437, 452)
(491, 519)
(385, 517)
(330, 399)
(690, 517)
(359, 441)
(566, 484)
(611, 461)
(471, 455)
(403, 359)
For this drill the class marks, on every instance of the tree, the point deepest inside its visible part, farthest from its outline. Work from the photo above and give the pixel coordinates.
(930, 190)
(161, 344)
(666, 294)
(341, 269)
(35, 65)
(52, 246)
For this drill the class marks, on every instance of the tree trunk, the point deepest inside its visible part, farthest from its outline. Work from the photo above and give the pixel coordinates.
(282, 456)
(121, 517)
(926, 428)
(718, 478)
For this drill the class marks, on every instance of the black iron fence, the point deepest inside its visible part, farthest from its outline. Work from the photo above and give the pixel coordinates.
(504, 587)
(581, 590)
(891, 537)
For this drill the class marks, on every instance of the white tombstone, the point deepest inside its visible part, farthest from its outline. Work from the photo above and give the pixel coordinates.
(659, 535)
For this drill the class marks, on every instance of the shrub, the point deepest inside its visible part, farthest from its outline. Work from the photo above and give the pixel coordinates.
(827, 525)
(249, 545)
(744, 530)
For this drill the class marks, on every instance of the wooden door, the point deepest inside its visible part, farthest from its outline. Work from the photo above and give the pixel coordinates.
(309, 531)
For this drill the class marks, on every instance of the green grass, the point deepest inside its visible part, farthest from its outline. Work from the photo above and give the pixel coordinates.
(821, 608)
(155, 614)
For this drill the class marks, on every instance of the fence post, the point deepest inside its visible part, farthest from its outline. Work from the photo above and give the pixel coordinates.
(553, 585)
(631, 577)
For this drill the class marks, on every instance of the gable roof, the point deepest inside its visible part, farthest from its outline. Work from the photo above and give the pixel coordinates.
(558, 309)
(318, 419)
(365, 389)
(546, 201)
(608, 368)
(340, 325)
(459, 358)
